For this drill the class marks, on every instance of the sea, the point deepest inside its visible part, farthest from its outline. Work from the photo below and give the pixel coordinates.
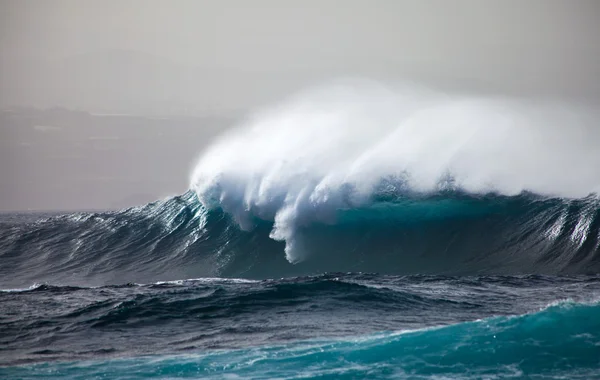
(335, 237)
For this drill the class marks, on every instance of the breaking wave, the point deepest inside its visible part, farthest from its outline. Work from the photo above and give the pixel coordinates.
(353, 178)
(446, 233)
(355, 144)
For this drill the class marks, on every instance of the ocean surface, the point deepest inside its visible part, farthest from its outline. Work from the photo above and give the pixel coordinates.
(111, 295)
(414, 239)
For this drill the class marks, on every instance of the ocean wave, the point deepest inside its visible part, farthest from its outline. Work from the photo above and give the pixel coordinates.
(354, 178)
(352, 144)
(445, 233)
(561, 340)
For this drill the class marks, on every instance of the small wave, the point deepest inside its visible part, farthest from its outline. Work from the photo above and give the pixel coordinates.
(209, 280)
(20, 290)
(513, 346)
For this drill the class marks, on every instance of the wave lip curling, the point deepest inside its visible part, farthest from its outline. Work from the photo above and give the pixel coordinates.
(351, 144)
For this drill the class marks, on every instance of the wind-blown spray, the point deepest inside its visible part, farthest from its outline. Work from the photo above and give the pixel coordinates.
(344, 146)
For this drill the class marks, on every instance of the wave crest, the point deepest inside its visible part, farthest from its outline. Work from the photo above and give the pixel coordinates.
(348, 145)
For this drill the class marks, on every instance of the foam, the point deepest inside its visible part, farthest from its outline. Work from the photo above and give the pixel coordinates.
(333, 147)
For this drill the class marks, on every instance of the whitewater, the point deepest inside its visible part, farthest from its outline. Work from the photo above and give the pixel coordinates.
(351, 144)
(355, 230)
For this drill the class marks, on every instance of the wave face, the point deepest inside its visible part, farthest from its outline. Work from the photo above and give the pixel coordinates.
(328, 326)
(447, 233)
(352, 145)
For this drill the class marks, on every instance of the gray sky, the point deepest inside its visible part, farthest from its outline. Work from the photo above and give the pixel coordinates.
(219, 59)
(235, 54)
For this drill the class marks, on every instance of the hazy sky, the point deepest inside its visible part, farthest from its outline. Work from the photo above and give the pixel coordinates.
(265, 34)
(270, 33)
(223, 58)
(232, 54)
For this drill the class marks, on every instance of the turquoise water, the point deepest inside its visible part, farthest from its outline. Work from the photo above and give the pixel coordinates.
(560, 341)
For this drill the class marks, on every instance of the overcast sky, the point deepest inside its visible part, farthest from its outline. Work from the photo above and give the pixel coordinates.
(223, 58)
(235, 54)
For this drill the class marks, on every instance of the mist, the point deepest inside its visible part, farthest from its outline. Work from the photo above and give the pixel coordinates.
(199, 67)
(349, 144)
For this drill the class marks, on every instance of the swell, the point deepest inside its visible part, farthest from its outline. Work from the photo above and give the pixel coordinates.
(108, 247)
(201, 314)
(444, 233)
(558, 341)
(518, 346)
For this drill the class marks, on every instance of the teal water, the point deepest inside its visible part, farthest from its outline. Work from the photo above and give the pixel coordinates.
(560, 341)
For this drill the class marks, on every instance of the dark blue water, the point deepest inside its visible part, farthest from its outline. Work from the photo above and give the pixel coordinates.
(444, 286)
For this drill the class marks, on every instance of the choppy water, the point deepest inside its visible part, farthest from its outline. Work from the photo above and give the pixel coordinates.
(335, 325)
